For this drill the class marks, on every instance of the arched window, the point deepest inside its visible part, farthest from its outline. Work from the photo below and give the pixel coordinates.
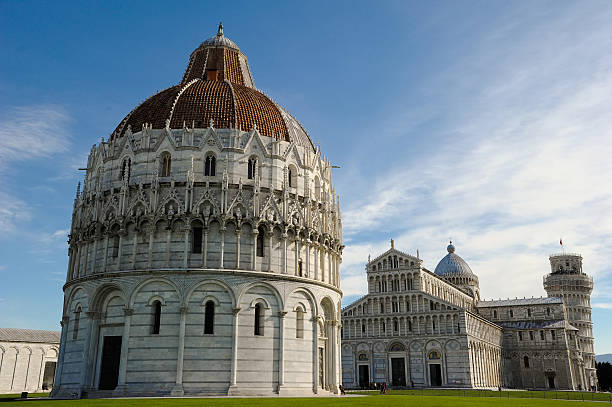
(395, 325)
(75, 327)
(209, 318)
(409, 325)
(126, 167)
(252, 167)
(299, 323)
(115, 246)
(210, 165)
(196, 247)
(156, 318)
(300, 271)
(258, 322)
(260, 241)
(526, 361)
(166, 164)
(292, 176)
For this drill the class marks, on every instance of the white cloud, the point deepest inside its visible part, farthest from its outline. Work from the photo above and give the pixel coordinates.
(27, 133)
(602, 305)
(32, 131)
(524, 160)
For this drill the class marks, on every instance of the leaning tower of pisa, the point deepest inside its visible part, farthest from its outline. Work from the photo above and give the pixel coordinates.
(568, 281)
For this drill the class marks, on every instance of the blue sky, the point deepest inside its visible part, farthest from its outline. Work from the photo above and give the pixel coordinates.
(488, 122)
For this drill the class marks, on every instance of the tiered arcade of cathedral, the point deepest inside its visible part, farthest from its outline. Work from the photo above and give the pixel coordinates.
(205, 248)
(417, 328)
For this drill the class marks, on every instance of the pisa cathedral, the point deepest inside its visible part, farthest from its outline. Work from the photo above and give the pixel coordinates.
(417, 328)
(205, 248)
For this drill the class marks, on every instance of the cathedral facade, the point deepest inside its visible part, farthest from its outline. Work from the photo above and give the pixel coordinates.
(205, 248)
(417, 328)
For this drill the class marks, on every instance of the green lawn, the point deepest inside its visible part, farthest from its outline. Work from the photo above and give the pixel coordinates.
(389, 400)
(563, 395)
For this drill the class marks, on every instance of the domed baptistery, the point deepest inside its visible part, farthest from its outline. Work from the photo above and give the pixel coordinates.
(205, 247)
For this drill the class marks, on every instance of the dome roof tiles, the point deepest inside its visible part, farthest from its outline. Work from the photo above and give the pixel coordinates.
(217, 85)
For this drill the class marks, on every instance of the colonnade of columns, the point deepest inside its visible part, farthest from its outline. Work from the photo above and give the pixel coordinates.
(485, 365)
(321, 262)
(439, 324)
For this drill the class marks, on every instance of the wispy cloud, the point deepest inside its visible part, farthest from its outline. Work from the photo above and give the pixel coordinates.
(32, 131)
(602, 305)
(523, 161)
(27, 133)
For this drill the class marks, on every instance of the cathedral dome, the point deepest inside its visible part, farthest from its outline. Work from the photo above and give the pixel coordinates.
(217, 90)
(452, 264)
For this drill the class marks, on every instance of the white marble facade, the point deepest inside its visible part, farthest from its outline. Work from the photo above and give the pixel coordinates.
(28, 360)
(416, 328)
(190, 279)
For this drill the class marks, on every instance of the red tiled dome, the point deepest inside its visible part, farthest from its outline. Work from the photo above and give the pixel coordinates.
(217, 85)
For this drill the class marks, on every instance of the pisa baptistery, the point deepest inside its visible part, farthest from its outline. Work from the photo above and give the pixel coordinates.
(205, 248)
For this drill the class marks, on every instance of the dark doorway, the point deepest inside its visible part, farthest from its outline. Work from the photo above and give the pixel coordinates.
(364, 376)
(435, 375)
(398, 372)
(48, 375)
(551, 382)
(321, 368)
(111, 355)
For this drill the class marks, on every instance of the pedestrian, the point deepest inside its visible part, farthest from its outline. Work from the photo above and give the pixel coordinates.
(342, 390)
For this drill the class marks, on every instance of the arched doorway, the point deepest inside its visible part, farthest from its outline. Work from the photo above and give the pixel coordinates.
(434, 360)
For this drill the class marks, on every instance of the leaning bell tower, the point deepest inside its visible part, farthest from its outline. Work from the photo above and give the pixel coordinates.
(568, 281)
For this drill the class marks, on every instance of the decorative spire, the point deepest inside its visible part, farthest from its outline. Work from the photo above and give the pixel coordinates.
(220, 31)
(451, 248)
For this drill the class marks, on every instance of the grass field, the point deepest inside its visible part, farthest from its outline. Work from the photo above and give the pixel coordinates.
(560, 395)
(367, 401)
(394, 399)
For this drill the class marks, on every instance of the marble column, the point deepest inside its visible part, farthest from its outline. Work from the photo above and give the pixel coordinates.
(125, 342)
(150, 250)
(134, 247)
(75, 273)
(177, 390)
(119, 250)
(270, 237)
(238, 233)
(316, 262)
(105, 257)
(284, 267)
(281, 350)
(315, 354)
(95, 254)
(168, 246)
(255, 232)
(234, 365)
(186, 250)
(205, 248)
(297, 254)
(308, 243)
(85, 261)
(222, 231)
